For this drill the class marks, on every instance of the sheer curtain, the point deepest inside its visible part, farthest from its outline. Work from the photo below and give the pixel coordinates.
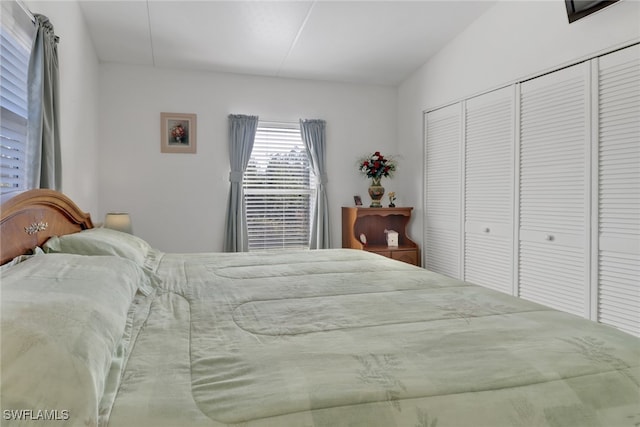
(313, 135)
(242, 132)
(45, 167)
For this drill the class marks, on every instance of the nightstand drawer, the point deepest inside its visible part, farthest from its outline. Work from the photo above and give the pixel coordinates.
(410, 256)
(383, 253)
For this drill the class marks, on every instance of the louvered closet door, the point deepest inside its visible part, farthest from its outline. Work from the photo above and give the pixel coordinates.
(554, 197)
(442, 190)
(619, 190)
(489, 136)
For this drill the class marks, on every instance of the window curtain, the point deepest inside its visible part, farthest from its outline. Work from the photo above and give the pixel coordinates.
(242, 132)
(45, 168)
(313, 135)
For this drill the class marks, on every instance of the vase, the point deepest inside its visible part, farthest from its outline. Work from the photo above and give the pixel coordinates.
(376, 191)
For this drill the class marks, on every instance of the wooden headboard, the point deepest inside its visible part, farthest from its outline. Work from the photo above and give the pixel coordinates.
(30, 218)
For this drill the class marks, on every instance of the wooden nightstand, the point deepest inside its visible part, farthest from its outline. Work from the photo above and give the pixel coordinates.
(372, 222)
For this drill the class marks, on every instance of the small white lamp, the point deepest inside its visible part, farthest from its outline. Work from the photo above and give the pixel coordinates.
(120, 221)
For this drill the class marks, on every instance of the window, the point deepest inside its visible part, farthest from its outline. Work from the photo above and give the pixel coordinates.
(16, 35)
(279, 189)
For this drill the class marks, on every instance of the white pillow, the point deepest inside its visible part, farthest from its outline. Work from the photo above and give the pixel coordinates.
(63, 317)
(105, 241)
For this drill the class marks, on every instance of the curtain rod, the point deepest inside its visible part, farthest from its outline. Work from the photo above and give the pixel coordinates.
(26, 10)
(30, 15)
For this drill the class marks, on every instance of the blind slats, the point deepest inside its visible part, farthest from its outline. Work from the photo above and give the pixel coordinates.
(279, 189)
(14, 63)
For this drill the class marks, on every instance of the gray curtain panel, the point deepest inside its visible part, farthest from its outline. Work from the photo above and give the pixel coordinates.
(313, 135)
(45, 170)
(242, 133)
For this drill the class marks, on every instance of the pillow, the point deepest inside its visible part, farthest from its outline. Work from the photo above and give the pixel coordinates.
(63, 318)
(21, 258)
(105, 241)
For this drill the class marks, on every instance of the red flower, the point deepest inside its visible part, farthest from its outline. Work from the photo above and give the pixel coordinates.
(377, 166)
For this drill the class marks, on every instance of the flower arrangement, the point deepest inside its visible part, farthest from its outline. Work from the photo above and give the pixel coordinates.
(377, 166)
(178, 132)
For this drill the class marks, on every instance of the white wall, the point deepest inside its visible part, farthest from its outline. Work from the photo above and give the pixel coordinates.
(513, 40)
(102, 116)
(178, 201)
(78, 102)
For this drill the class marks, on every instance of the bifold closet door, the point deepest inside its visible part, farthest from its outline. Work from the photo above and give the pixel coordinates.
(489, 160)
(442, 198)
(554, 197)
(618, 213)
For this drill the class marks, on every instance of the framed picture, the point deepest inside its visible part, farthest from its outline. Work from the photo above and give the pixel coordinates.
(178, 133)
(357, 200)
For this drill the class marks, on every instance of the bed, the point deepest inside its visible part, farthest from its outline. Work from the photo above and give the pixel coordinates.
(100, 329)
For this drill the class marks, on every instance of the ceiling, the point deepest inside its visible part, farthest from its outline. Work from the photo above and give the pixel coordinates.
(377, 42)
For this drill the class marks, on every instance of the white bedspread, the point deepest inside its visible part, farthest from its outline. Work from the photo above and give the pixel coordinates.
(348, 338)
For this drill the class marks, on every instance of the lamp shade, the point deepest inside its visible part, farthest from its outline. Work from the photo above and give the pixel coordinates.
(118, 221)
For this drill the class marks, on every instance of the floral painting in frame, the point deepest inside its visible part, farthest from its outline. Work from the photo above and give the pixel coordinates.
(178, 133)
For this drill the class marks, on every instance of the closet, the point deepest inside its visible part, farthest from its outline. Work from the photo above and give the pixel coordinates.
(488, 190)
(616, 191)
(442, 188)
(543, 179)
(554, 166)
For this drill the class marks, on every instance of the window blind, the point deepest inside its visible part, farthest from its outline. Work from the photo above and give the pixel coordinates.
(16, 35)
(278, 189)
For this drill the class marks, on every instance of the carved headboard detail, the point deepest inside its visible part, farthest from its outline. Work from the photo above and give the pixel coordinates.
(30, 218)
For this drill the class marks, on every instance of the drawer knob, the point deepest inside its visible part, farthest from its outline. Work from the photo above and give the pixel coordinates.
(549, 237)
(487, 229)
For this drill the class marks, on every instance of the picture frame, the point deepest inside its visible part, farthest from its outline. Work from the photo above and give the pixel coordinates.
(357, 200)
(178, 133)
